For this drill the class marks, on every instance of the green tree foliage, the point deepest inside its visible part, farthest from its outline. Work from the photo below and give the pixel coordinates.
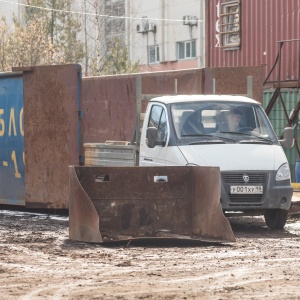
(63, 26)
(4, 33)
(52, 34)
(30, 46)
(117, 61)
(26, 45)
(104, 36)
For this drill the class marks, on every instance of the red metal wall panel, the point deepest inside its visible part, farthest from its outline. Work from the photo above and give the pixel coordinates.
(263, 24)
(109, 103)
(234, 81)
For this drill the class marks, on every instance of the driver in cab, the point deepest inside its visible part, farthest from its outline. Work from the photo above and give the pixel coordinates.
(234, 119)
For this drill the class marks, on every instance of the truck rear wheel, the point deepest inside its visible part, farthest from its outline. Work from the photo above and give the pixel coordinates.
(276, 218)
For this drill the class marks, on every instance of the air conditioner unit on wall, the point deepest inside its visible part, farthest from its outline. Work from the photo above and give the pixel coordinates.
(193, 20)
(151, 27)
(186, 20)
(190, 20)
(140, 28)
(146, 27)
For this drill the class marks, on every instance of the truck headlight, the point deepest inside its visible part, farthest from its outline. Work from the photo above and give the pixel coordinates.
(283, 173)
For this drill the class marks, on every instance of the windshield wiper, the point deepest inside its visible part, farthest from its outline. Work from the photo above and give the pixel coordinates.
(198, 134)
(214, 139)
(235, 132)
(207, 142)
(258, 139)
(261, 139)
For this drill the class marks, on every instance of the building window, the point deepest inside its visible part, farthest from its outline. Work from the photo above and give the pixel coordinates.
(186, 49)
(153, 54)
(230, 24)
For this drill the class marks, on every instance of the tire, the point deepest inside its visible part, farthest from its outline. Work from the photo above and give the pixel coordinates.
(276, 218)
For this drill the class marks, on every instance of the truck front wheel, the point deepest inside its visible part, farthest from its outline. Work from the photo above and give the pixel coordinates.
(276, 218)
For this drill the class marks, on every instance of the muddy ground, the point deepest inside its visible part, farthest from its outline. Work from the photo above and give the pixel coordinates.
(38, 261)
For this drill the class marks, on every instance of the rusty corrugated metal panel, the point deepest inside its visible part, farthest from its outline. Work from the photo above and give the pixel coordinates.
(51, 136)
(263, 24)
(234, 81)
(109, 103)
(188, 82)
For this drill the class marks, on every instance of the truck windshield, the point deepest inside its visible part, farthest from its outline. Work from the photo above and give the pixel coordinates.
(219, 121)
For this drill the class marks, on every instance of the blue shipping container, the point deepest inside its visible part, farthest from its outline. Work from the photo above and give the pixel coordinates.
(12, 160)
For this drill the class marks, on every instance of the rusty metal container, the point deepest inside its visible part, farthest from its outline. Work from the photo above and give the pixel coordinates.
(52, 136)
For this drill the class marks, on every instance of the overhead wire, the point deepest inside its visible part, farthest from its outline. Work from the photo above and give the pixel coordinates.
(94, 14)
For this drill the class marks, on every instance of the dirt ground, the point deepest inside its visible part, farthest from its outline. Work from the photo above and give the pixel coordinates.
(38, 261)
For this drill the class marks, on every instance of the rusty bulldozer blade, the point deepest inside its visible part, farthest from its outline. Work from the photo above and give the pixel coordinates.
(124, 203)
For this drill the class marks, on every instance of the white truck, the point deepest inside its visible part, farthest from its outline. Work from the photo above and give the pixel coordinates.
(194, 130)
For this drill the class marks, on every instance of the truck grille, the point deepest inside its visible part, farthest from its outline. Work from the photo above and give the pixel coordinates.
(237, 178)
(246, 200)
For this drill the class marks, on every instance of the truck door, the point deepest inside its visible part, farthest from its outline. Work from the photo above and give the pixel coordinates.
(155, 156)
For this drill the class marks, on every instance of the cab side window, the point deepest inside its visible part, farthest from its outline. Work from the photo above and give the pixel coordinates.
(158, 119)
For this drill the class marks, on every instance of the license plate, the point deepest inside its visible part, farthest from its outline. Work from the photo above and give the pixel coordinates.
(246, 189)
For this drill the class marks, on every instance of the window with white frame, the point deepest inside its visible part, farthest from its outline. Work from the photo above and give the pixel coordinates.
(153, 54)
(186, 49)
(230, 24)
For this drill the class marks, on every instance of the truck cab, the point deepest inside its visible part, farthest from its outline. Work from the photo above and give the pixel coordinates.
(232, 133)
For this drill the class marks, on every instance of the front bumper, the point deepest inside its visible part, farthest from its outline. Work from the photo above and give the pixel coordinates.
(276, 195)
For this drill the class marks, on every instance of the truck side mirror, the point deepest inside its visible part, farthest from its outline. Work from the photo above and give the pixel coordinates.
(151, 136)
(288, 137)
